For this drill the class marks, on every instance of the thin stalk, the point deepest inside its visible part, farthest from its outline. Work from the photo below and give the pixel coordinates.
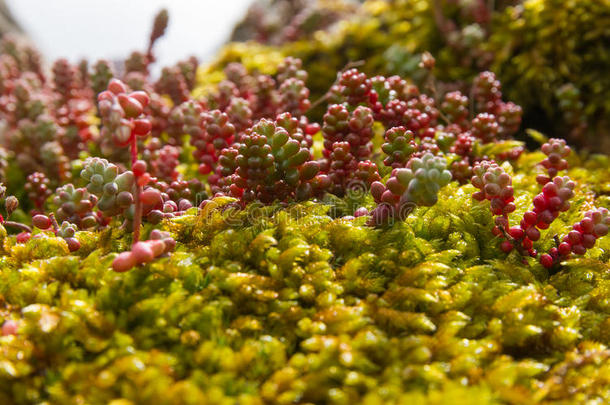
(17, 225)
(516, 244)
(137, 216)
(134, 149)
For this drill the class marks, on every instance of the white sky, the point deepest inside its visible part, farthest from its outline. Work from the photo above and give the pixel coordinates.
(111, 29)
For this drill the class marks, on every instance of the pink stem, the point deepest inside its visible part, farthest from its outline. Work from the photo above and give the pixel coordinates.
(134, 149)
(137, 216)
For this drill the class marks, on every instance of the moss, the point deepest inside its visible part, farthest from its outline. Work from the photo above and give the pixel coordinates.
(294, 303)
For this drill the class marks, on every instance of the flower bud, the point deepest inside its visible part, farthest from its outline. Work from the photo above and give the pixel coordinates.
(11, 204)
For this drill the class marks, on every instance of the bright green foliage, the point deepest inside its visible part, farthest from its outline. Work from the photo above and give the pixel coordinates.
(289, 303)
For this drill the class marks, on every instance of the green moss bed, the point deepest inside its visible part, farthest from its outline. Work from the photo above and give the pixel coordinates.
(297, 304)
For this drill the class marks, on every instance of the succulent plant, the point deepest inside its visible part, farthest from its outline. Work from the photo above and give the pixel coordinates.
(75, 205)
(399, 146)
(417, 184)
(114, 191)
(556, 151)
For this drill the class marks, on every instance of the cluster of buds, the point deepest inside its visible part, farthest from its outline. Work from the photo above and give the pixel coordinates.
(122, 113)
(173, 83)
(495, 119)
(136, 62)
(417, 184)
(237, 74)
(270, 164)
(240, 114)
(157, 206)
(186, 119)
(292, 94)
(159, 244)
(75, 205)
(354, 87)
(188, 68)
(181, 191)
(463, 144)
(248, 97)
(291, 68)
(556, 151)
(570, 103)
(455, 108)
(113, 190)
(485, 127)
(346, 174)
(31, 102)
(487, 93)
(495, 185)
(217, 135)
(300, 128)
(158, 30)
(163, 160)
(547, 206)
(65, 78)
(74, 102)
(583, 236)
(355, 128)
(264, 98)
(100, 76)
(390, 89)
(509, 118)
(225, 92)
(37, 187)
(404, 113)
(294, 97)
(393, 101)
(39, 148)
(399, 146)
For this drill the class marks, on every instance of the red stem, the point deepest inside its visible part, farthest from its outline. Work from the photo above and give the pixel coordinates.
(134, 149)
(516, 243)
(137, 216)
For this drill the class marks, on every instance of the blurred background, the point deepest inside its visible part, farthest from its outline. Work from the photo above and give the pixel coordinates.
(111, 29)
(551, 56)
